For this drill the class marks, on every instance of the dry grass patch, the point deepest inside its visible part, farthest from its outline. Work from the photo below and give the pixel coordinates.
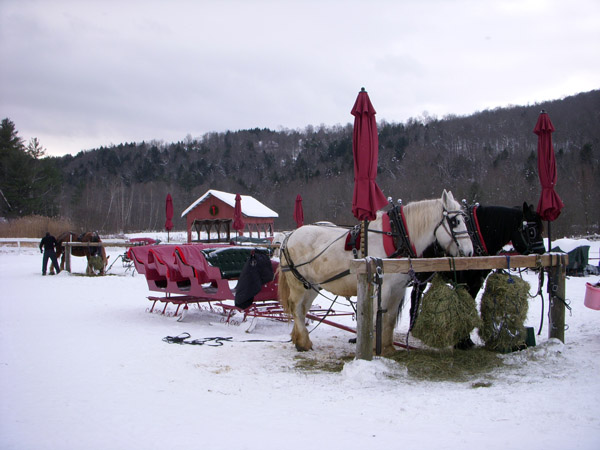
(35, 227)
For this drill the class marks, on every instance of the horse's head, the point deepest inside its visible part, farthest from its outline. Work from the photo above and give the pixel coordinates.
(97, 254)
(451, 233)
(527, 238)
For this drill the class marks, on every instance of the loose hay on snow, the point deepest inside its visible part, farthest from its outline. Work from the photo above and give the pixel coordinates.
(450, 365)
(446, 315)
(504, 307)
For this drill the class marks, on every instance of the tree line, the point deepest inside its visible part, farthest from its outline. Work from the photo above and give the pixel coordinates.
(489, 157)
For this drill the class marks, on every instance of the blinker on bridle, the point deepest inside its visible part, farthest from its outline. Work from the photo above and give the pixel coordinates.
(529, 229)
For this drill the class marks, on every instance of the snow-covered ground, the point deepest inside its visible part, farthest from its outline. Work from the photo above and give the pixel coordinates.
(83, 365)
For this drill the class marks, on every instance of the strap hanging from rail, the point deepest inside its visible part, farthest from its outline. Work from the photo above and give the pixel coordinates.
(378, 282)
(510, 280)
(553, 283)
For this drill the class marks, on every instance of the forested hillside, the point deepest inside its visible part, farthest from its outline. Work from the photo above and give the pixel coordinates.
(488, 157)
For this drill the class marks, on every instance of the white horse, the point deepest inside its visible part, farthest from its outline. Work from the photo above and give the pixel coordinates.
(313, 257)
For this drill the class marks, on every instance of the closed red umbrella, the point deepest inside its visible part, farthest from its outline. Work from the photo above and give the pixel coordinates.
(169, 215)
(299, 212)
(238, 222)
(367, 198)
(550, 204)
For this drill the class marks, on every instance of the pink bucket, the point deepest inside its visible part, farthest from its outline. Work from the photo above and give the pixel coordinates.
(592, 296)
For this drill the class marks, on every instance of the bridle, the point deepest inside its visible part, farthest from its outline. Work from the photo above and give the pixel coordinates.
(529, 233)
(449, 223)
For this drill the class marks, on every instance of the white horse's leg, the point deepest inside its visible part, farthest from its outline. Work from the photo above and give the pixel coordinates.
(392, 300)
(301, 307)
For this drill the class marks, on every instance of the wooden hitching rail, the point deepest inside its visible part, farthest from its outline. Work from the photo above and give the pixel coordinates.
(68, 246)
(557, 263)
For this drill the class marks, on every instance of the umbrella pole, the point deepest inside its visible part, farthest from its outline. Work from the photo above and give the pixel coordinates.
(549, 238)
(365, 241)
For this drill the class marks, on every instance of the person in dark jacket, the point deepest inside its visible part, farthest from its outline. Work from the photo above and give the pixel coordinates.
(48, 247)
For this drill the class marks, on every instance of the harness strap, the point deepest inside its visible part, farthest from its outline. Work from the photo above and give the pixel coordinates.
(290, 264)
(337, 277)
(294, 268)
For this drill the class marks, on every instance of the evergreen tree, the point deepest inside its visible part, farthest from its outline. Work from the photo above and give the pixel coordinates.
(28, 185)
(12, 161)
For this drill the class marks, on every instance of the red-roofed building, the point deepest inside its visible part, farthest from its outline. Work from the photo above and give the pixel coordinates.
(211, 217)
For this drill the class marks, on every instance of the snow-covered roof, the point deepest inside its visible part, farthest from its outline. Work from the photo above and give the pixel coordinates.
(250, 206)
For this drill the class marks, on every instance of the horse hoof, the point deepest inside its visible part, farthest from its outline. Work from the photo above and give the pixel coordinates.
(303, 348)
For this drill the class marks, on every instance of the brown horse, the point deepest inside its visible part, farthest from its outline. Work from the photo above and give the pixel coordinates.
(96, 255)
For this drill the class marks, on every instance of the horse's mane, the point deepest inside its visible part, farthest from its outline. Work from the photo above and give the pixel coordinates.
(421, 217)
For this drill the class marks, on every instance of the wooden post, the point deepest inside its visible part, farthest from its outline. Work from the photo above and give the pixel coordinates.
(556, 288)
(364, 316)
(67, 257)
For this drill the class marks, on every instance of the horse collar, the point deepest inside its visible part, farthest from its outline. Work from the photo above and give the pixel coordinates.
(396, 240)
(479, 246)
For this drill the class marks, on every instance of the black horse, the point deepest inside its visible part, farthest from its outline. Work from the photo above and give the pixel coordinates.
(491, 228)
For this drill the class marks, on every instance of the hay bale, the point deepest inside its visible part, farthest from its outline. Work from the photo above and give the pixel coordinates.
(504, 307)
(96, 262)
(446, 315)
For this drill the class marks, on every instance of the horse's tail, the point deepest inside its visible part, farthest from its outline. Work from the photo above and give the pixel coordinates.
(283, 290)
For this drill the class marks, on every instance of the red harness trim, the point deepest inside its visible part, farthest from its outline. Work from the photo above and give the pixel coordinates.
(479, 230)
(388, 240)
(349, 246)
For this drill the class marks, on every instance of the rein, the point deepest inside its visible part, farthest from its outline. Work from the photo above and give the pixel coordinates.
(291, 267)
(216, 341)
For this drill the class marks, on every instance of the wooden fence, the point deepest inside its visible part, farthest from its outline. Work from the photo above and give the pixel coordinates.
(556, 262)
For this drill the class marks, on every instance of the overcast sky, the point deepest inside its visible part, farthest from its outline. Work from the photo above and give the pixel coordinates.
(81, 74)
